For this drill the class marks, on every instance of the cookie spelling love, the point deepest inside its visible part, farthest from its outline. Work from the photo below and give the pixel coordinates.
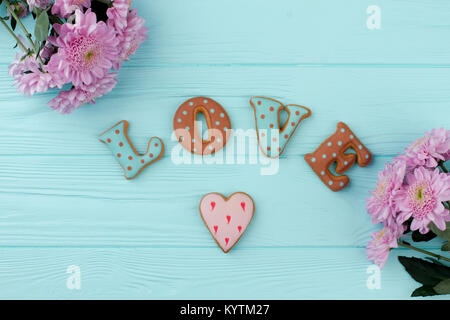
(227, 218)
(82, 45)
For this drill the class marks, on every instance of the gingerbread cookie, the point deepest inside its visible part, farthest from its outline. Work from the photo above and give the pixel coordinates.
(227, 218)
(123, 150)
(333, 150)
(272, 138)
(187, 131)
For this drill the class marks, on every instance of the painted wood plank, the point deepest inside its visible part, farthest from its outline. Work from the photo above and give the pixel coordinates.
(63, 200)
(85, 201)
(387, 108)
(289, 32)
(114, 273)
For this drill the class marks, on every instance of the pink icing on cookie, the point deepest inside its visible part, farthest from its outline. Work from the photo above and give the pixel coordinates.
(227, 218)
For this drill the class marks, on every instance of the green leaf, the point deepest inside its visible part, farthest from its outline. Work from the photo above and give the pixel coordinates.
(443, 287)
(427, 273)
(446, 246)
(424, 291)
(442, 234)
(42, 27)
(13, 23)
(418, 237)
(408, 225)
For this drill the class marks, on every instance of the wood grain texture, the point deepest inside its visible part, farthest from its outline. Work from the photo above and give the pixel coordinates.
(404, 102)
(64, 201)
(291, 32)
(97, 207)
(115, 273)
(97, 204)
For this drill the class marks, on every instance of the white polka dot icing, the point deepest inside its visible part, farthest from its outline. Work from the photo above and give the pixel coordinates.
(132, 163)
(217, 123)
(267, 120)
(333, 150)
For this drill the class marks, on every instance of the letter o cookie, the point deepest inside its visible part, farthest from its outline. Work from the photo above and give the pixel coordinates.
(188, 133)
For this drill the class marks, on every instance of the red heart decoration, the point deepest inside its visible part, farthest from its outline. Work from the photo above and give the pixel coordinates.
(228, 222)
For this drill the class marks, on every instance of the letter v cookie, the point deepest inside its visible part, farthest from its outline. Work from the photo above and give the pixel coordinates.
(272, 138)
(132, 163)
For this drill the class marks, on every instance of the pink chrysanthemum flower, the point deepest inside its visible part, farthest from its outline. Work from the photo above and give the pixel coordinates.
(421, 198)
(381, 244)
(428, 150)
(41, 4)
(67, 101)
(65, 8)
(441, 137)
(131, 37)
(86, 50)
(19, 9)
(117, 14)
(30, 77)
(35, 81)
(381, 205)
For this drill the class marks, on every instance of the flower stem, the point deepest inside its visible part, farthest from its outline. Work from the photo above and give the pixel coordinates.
(19, 42)
(439, 257)
(27, 34)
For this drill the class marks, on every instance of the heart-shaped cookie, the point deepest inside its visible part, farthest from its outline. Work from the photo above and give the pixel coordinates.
(227, 218)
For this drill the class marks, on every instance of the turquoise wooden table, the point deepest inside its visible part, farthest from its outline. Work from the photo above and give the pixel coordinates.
(64, 201)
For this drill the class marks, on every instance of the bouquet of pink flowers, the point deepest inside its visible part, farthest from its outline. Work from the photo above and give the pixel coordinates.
(412, 199)
(79, 43)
